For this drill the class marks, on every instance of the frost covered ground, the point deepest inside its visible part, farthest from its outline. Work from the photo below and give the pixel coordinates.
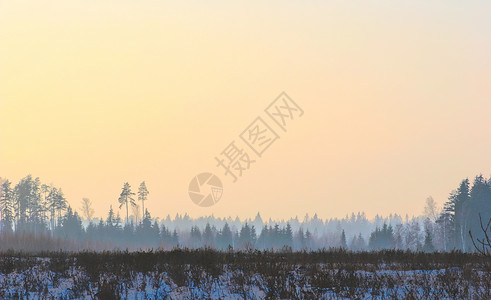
(206, 274)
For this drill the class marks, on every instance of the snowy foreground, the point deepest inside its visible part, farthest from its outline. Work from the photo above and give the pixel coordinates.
(248, 277)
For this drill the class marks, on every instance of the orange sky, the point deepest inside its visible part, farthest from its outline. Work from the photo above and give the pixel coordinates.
(397, 100)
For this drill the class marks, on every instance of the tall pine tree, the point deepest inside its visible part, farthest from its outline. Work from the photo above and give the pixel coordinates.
(126, 198)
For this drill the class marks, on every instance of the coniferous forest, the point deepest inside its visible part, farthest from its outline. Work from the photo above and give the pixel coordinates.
(49, 250)
(36, 216)
(245, 150)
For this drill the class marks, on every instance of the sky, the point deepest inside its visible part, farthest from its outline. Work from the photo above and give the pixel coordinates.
(396, 98)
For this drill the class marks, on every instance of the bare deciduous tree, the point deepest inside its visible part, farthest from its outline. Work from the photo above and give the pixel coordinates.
(87, 210)
(483, 245)
(430, 210)
(136, 213)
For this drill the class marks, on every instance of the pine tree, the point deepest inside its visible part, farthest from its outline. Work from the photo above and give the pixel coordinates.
(60, 202)
(45, 189)
(6, 206)
(142, 195)
(25, 200)
(126, 198)
(50, 200)
(57, 203)
(444, 223)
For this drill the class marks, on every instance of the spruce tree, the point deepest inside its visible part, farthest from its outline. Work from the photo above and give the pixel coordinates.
(428, 244)
(344, 245)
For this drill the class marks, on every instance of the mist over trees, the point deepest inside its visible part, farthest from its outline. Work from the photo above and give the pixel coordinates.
(142, 195)
(87, 210)
(126, 198)
(37, 216)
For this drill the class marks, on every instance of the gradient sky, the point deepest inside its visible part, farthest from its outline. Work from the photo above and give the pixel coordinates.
(396, 94)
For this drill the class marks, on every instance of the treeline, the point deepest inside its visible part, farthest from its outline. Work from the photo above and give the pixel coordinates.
(446, 229)
(32, 209)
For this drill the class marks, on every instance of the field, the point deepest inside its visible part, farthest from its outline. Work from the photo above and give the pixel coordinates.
(210, 274)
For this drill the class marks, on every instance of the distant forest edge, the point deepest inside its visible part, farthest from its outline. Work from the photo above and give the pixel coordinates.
(37, 217)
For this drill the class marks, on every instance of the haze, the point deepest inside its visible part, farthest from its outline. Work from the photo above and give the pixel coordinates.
(396, 98)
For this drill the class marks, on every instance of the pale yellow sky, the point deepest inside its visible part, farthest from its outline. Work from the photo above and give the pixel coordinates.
(397, 100)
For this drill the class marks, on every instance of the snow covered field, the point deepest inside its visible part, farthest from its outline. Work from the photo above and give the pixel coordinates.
(201, 275)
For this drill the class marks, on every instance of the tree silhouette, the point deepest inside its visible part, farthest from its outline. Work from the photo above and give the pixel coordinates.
(126, 198)
(483, 245)
(455, 207)
(224, 237)
(87, 210)
(57, 204)
(381, 238)
(6, 206)
(428, 244)
(142, 195)
(208, 237)
(344, 245)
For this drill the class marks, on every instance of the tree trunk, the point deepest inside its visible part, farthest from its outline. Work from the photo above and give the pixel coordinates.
(126, 212)
(462, 238)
